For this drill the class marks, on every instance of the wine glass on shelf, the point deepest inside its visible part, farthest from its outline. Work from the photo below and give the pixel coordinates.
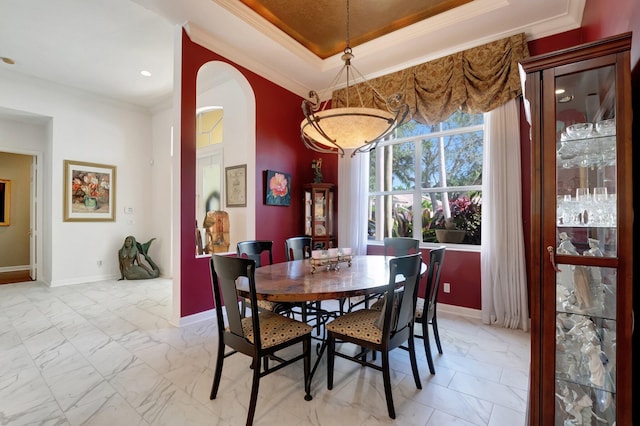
(583, 198)
(600, 194)
(582, 195)
(600, 201)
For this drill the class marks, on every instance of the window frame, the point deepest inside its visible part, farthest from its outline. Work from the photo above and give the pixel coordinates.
(418, 191)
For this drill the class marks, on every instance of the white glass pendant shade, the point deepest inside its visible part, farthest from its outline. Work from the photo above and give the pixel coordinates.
(347, 128)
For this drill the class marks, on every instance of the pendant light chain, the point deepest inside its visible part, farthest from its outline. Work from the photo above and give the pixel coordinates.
(348, 32)
(347, 51)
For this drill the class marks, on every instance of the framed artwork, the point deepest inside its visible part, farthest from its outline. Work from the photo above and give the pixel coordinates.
(5, 202)
(278, 188)
(236, 184)
(89, 192)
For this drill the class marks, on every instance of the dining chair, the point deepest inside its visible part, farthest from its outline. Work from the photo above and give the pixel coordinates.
(383, 330)
(426, 304)
(254, 249)
(298, 248)
(393, 246)
(258, 336)
(400, 246)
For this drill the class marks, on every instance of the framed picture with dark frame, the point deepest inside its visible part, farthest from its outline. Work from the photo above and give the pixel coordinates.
(5, 202)
(277, 188)
(89, 192)
(236, 185)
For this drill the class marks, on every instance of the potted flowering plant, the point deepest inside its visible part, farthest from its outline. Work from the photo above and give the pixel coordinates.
(464, 223)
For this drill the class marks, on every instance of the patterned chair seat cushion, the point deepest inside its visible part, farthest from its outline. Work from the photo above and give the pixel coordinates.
(360, 324)
(275, 329)
(267, 306)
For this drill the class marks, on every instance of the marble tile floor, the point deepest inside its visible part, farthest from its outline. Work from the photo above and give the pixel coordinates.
(104, 353)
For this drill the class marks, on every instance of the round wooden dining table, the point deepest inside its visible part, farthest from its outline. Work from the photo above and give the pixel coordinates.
(294, 281)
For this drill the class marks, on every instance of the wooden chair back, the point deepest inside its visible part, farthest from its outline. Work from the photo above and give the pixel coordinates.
(253, 249)
(400, 246)
(298, 248)
(436, 257)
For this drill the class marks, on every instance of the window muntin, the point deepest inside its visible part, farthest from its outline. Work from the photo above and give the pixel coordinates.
(450, 167)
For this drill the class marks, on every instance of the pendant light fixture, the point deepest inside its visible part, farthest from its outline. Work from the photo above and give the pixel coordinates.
(332, 130)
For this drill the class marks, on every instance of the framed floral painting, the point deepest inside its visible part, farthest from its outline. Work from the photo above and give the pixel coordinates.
(89, 192)
(278, 188)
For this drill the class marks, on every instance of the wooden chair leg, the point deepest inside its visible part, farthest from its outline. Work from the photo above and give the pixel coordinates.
(218, 374)
(414, 361)
(306, 347)
(434, 324)
(427, 346)
(254, 393)
(331, 349)
(386, 376)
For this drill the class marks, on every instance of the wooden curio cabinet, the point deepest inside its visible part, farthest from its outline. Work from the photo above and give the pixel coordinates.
(579, 100)
(318, 214)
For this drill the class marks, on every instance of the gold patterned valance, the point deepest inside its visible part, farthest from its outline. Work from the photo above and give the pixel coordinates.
(476, 80)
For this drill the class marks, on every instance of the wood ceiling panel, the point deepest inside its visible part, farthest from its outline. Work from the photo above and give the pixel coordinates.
(321, 25)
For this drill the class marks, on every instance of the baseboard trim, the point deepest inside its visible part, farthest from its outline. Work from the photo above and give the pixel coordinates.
(14, 268)
(81, 280)
(194, 318)
(460, 310)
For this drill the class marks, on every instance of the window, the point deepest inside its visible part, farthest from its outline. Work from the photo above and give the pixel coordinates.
(428, 177)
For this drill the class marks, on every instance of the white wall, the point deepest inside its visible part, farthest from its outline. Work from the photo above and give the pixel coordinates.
(61, 123)
(162, 195)
(88, 128)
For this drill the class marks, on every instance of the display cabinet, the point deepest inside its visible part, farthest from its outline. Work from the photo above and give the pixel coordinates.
(579, 105)
(318, 214)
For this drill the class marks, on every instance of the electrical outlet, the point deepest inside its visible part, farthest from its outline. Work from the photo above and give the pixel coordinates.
(447, 287)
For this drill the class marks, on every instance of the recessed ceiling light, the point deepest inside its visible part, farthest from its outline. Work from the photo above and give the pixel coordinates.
(145, 73)
(565, 99)
(560, 91)
(7, 60)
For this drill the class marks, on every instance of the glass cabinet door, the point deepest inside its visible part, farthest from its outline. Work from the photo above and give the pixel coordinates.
(581, 256)
(586, 237)
(320, 213)
(318, 201)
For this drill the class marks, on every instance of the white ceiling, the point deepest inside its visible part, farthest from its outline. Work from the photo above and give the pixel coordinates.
(101, 46)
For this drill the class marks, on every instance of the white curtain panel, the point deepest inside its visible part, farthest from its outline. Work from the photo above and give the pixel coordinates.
(504, 282)
(353, 187)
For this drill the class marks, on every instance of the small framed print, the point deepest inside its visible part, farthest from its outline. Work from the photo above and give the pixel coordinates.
(236, 185)
(89, 192)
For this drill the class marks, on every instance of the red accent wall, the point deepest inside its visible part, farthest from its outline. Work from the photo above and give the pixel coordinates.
(461, 269)
(278, 147)
(604, 18)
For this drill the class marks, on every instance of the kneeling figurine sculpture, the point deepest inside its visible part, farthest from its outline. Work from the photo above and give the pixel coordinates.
(131, 266)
